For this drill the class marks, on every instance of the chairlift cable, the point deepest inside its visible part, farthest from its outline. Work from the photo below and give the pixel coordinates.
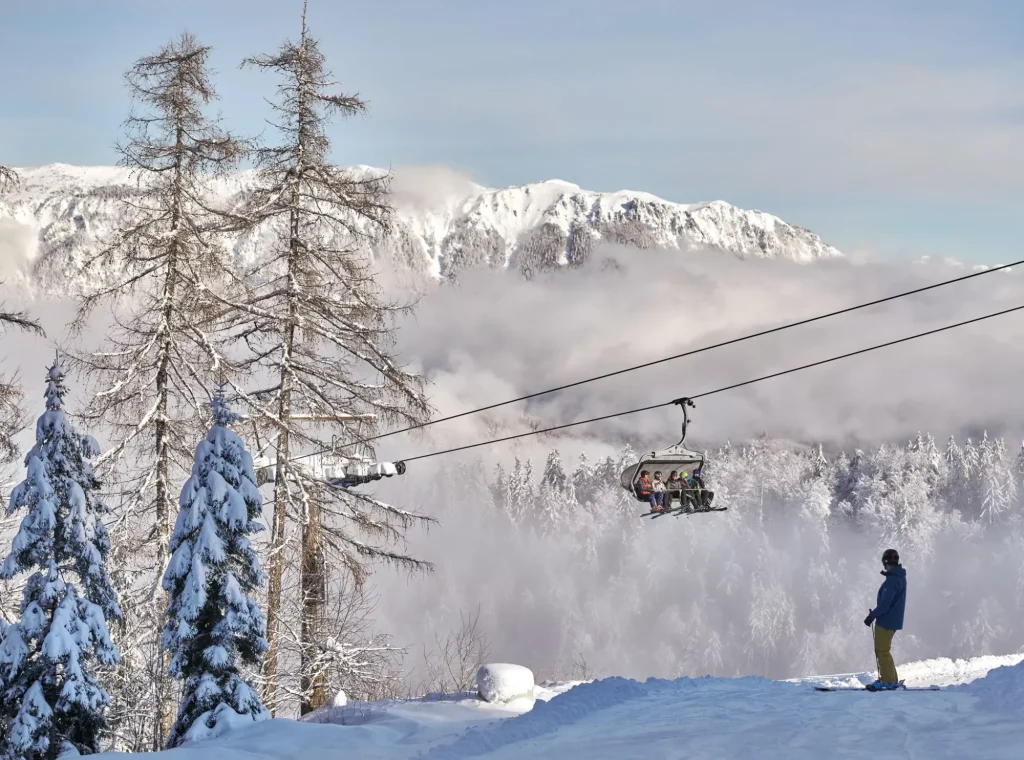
(723, 389)
(691, 352)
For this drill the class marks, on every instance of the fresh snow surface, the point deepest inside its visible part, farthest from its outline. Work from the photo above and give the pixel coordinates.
(976, 717)
(503, 682)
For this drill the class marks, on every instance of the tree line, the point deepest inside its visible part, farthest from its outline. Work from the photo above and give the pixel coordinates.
(299, 340)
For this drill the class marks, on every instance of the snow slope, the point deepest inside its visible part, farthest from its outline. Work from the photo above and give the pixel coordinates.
(683, 718)
(58, 212)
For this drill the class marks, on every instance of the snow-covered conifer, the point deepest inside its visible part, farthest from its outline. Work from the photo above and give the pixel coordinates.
(213, 624)
(49, 694)
(499, 486)
(957, 482)
(1018, 472)
(518, 492)
(1006, 475)
(993, 497)
(583, 480)
(556, 499)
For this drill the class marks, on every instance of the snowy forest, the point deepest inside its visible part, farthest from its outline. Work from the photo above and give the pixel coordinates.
(172, 564)
(775, 586)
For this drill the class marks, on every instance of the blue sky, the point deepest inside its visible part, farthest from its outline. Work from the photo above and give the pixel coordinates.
(896, 129)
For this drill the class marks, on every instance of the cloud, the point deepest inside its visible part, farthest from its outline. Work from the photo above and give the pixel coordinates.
(652, 599)
(422, 188)
(498, 336)
(18, 244)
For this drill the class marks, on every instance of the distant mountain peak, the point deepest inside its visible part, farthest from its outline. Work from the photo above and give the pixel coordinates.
(60, 212)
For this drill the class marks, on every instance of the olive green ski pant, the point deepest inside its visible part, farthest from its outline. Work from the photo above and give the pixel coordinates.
(883, 645)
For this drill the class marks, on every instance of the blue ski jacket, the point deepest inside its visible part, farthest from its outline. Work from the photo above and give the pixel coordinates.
(892, 599)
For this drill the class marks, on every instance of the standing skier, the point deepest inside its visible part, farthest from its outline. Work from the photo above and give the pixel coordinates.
(888, 617)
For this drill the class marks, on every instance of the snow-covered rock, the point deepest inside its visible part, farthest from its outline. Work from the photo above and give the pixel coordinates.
(217, 722)
(340, 699)
(56, 215)
(504, 682)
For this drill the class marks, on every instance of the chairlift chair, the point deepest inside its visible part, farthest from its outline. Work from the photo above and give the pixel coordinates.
(677, 457)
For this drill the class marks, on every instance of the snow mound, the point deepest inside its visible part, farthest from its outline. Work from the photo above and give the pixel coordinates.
(219, 721)
(1001, 687)
(504, 682)
(573, 708)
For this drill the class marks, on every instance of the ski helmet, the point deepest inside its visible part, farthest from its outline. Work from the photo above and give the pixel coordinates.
(890, 557)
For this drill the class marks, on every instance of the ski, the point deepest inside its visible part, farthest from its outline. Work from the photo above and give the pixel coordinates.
(700, 511)
(677, 511)
(653, 514)
(901, 687)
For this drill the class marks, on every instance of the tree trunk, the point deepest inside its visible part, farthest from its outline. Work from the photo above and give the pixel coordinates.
(271, 660)
(314, 598)
(165, 713)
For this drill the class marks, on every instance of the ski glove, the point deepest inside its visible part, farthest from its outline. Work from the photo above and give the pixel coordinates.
(869, 619)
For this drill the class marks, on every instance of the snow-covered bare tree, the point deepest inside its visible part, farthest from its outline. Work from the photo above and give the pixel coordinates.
(352, 656)
(12, 416)
(452, 664)
(154, 374)
(213, 624)
(8, 179)
(50, 695)
(315, 327)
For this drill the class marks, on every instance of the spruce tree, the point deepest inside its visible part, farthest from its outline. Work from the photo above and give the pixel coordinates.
(1018, 472)
(49, 695)
(213, 623)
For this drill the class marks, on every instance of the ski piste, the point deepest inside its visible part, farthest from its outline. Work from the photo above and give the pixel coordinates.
(681, 511)
(902, 686)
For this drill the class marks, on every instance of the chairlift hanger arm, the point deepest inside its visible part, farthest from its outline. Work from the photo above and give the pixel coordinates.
(684, 402)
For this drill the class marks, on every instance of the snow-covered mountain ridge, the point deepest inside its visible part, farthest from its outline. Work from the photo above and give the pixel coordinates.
(58, 213)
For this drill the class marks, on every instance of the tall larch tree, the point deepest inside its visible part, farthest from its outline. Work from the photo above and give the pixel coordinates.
(154, 375)
(213, 624)
(50, 696)
(314, 322)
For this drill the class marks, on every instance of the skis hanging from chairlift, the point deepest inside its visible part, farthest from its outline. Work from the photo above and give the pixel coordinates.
(332, 467)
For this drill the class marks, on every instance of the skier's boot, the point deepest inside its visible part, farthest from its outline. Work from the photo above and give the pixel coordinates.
(881, 685)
